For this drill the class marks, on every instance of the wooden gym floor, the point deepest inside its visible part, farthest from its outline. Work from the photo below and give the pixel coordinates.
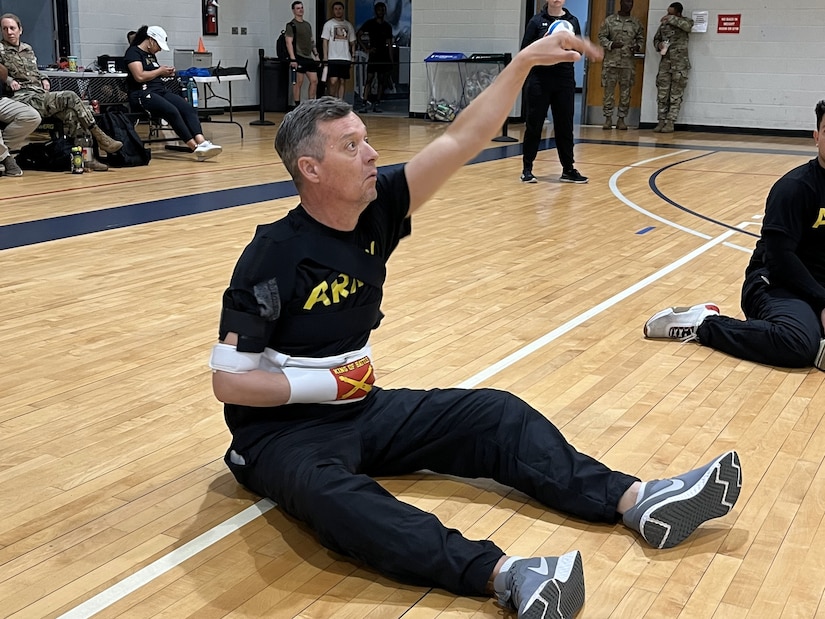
(114, 500)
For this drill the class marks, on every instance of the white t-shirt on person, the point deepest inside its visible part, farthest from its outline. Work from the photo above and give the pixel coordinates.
(340, 34)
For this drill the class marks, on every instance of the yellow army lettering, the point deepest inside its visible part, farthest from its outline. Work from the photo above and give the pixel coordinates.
(821, 219)
(342, 287)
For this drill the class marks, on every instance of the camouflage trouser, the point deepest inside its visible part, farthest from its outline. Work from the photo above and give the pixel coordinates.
(670, 89)
(624, 78)
(65, 105)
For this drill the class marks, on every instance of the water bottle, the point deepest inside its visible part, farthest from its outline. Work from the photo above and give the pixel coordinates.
(77, 160)
(193, 93)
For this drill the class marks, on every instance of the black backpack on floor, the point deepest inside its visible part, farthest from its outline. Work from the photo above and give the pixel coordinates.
(52, 156)
(117, 125)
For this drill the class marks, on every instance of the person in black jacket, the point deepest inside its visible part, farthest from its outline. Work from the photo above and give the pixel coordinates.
(551, 87)
(783, 296)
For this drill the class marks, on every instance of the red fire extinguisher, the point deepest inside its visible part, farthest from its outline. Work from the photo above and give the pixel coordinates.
(210, 17)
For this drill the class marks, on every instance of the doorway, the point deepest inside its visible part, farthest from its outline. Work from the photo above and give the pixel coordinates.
(581, 9)
(592, 112)
(396, 100)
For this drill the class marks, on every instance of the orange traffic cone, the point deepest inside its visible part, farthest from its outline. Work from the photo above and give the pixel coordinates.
(201, 48)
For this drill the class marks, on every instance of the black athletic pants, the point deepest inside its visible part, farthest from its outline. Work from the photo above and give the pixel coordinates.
(321, 472)
(559, 96)
(781, 329)
(174, 109)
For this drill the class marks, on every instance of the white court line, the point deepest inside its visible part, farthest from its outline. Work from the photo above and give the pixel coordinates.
(575, 322)
(143, 576)
(614, 187)
(118, 591)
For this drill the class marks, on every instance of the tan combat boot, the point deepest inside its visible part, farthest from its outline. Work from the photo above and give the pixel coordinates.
(658, 128)
(105, 143)
(95, 166)
(608, 123)
(620, 124)
(668, 128)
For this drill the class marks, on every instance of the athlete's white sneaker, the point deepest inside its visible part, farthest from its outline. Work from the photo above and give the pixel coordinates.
(679, 323)
(206, 150)
(542, 587)
(669, 510)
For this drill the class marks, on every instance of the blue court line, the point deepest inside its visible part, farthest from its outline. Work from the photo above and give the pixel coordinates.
(645, 230)
(43, 230)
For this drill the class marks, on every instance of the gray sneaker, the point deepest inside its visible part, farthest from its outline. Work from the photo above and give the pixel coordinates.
(669, 510)
(543, 587)
(12, 169)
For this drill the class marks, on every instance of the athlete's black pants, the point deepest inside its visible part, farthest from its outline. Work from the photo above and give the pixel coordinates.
(172, 108)
(321, 471)
(781, 329)
(559, 96)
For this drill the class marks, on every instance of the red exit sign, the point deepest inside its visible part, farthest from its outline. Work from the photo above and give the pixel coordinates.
(729, 24)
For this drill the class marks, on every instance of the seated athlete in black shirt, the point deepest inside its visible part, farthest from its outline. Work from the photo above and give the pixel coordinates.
(783, 295)
(310, 427)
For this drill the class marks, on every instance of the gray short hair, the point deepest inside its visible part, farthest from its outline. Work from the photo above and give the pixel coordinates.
(298, 134)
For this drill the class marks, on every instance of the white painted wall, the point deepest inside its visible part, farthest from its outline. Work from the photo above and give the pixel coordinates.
(766, 77)
(769, 76)
(100, 27)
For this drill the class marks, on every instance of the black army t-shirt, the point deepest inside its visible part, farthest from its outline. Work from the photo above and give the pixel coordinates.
(795, 221)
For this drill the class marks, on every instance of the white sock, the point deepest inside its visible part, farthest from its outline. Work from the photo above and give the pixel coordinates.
(641, 494)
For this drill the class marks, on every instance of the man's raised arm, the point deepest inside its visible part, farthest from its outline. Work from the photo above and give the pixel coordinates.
(482, 120)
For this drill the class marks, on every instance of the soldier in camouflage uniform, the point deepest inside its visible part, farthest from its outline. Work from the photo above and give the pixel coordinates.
(671, 39)
(621, 36)
(19, 121)
(32, 87)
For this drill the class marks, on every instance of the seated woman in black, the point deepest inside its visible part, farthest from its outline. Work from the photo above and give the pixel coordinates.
(147, 90)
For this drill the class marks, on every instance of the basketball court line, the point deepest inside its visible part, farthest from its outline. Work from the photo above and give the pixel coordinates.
(614, 188)
(32, 232)
(118, 591)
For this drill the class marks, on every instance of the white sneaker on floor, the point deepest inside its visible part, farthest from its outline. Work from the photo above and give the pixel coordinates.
(679, 323)
(206, 150)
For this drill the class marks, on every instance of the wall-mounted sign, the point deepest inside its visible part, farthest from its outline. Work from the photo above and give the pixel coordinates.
(700, 21)
(729, 24)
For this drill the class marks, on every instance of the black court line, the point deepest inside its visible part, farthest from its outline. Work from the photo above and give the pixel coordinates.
(53, 228)
(655, 189)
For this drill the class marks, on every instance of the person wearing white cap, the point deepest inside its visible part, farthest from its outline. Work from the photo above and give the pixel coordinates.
(147, 90)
